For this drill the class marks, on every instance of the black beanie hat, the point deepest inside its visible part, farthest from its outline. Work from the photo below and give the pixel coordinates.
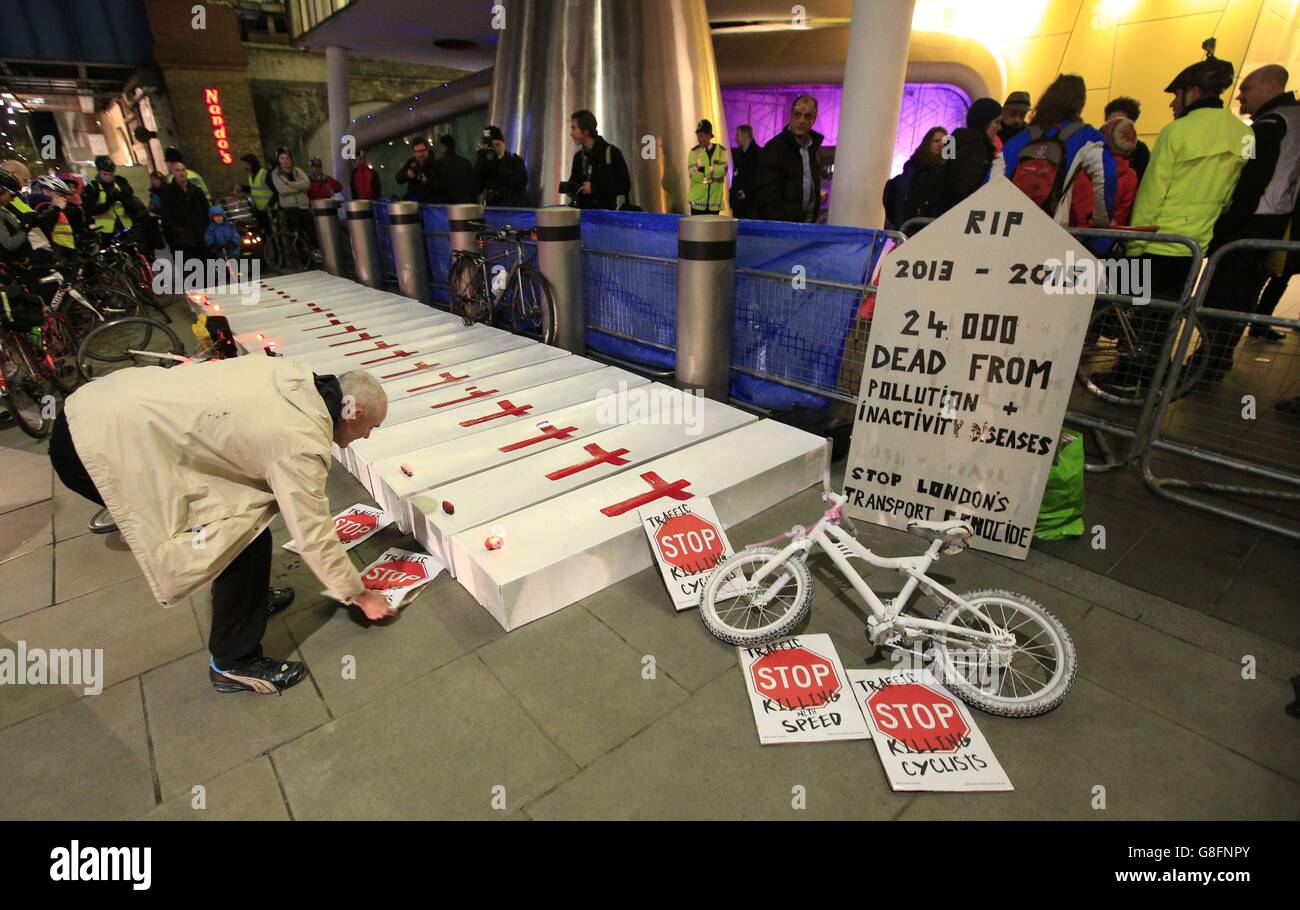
(981, 112)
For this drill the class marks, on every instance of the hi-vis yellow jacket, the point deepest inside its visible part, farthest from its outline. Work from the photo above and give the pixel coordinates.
(708, 178)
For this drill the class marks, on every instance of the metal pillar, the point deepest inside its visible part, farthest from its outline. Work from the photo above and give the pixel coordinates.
(406, 232)
(874, 69)
(336, 90)
(706, 303)
(463, 237)
(326, 213)
(365, 242)
(645, 69)
(559, 257)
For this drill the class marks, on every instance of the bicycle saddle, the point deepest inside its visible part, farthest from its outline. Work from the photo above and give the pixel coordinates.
(953, 531)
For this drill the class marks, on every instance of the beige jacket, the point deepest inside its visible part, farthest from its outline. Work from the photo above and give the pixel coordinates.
(193, 462)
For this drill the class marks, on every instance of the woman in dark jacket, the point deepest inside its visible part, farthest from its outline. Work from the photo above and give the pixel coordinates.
(975, 150)
(184, 214)
(918, 190)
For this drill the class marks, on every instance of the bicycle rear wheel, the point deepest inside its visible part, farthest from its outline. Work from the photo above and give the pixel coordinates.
(26, 397)
(469, 293)
(126, 343)
(1121, 349)
(531, 305)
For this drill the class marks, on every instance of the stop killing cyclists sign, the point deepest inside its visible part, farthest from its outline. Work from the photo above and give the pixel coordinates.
(354, 525)
(688, 542)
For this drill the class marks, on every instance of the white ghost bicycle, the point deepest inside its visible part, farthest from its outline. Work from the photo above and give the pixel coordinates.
(999, 651)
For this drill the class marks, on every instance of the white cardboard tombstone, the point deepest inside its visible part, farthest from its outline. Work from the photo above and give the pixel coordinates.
(564, 549)
(917, 454)
(501, 488)
(460, 456)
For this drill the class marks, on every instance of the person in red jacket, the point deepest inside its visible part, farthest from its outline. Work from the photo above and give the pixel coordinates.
(365, 179)
(323, 186)
(1121, 138)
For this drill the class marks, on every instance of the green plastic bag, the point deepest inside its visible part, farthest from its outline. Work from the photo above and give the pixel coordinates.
(1060, 515)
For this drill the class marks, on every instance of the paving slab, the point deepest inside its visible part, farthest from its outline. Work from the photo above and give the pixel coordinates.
(72, 513)
(199, 733)
(1204, 693)
(703, 761)
(580, 682)
(86, 760)
(25, 530)
(1150, 767)
(247, 793)
(25, 476)
(27, 582)
(91, 562)
(1262, 602)
(440, 625)
(434, 748)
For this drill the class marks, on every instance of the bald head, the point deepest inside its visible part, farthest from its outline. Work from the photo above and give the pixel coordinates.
(1261, 87)
(365, 405)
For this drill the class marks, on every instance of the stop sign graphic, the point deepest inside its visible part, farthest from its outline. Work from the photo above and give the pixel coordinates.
(395, 573)
(355, 525)
(795, 678)
(919, 718)
(690, 543)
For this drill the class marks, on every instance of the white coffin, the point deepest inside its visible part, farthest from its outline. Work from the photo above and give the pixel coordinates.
(500, 488)
(334, 334)
(295, 317)
(364, 456)
(451, 374)
(564, 549)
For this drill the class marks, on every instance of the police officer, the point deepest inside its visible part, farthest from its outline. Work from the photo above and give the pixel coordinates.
(259, 189)
(500, 176)
(108, 199)
(708, 170)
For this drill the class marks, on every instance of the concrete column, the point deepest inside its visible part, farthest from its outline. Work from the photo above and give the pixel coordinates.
(559, 258)
(336, 85)
(706, 303)
(365, 242)
(874, 71)
(406, 231)
(326, 213)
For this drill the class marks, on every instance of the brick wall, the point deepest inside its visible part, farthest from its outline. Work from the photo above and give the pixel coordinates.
(185, 88)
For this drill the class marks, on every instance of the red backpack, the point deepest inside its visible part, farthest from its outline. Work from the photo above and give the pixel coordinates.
(1040, 169)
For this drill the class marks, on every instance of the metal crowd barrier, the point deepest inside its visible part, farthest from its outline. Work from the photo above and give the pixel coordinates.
(1232, 425)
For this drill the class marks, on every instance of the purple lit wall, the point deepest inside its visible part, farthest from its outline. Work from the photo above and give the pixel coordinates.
(767, 109)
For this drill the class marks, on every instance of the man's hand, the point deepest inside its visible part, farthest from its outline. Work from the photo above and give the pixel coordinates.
(372, 604)
(585, 188)
(410, 172)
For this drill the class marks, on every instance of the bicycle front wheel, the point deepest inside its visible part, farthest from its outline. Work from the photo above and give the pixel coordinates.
(469, 293)
(125, 343)
(26, 397)
(745, 613)
(532, 306)
(1025, 679)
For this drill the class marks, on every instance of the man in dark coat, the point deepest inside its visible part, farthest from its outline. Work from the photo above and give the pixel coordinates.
(453, 175)
(499, 174)
(788, 186)
(599, 174)
(184, 214)
(417, 174)
(744, 171)
(974, 149)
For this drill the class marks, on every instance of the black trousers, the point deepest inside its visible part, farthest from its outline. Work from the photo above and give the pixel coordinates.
(1237, 283)
(239, 593)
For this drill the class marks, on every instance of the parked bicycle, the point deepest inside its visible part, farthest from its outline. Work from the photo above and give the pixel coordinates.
(483, 289)
(129, 342)
(287, 248)
(999, 651)
(1122, 348)
(120, 265)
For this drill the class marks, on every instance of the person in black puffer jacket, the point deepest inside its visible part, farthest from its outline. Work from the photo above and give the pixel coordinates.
(788, 187)
(975, 149)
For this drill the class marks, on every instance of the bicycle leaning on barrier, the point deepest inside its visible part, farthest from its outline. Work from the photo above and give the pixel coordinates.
(997, 650)
(484, 290)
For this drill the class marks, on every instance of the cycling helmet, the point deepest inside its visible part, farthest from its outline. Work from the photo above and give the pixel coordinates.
(9, 183)
(1212, 76)
(52, 184)
(104, 163)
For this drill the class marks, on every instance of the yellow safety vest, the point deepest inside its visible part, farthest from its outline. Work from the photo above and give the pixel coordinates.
(107, 220)
(63, 235)
(261, 193)
(708, 178)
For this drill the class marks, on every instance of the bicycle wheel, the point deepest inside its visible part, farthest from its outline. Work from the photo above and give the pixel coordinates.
(271, 253)
(126, 343)
(469, 293)
(61, 348)
(1031, 677)
(1120, 351)
(531, 305)
(26, 397)
(762, 614)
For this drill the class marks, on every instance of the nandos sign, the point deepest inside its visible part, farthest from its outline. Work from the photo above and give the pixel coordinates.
(217, 119)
